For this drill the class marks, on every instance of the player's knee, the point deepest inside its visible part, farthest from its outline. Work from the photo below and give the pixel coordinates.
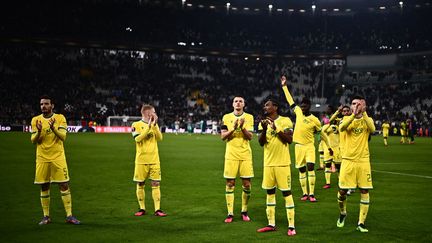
(246, 183)
(271, 191)
(141, 183)
(310, 166)
(338, 166)
(364, 191)
(321, 152)
(155, 183)
(328, 165)
(302, 169)
(64, 186)
(343, 192)
(286, 193)
(230, 183)
(45, 187)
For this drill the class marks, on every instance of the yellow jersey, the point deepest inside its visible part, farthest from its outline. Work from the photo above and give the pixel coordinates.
(356, 146)
(342, 137)
(50, 148)
(146, 138)
(238, 147)
(276, 153)
(385, 127)
(305, 127)
(332, 133)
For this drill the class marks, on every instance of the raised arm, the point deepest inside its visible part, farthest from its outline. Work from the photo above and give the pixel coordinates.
(157, 132)
(369, 122)
(346, 121)
(288, 96)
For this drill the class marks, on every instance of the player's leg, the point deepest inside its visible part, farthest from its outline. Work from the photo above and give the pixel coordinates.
(321, 156)
(270, 210)
(246, 173)
(328, 172)
(365, 184)
(385, 140)
(140, 174)
(347, 180)
(283, 180)
(300, 156)
(67, 203)
(42, 177)
(310, 161)
(155, 177)
(231, 168)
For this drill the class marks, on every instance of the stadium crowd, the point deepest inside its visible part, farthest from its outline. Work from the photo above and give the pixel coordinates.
(92, 84)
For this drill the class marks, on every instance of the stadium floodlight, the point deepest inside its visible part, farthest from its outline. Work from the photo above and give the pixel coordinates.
(302, 10)
(313, 7)
(189, 4)
(212, 7)
(270, 7)
(343, 85)
(324, 10)
(401, 4)
(246, 9)
(382, 8)
(246, 58)
(257, 58)
(336, 9)
(290, 10)
(183, 2)
(228, 5)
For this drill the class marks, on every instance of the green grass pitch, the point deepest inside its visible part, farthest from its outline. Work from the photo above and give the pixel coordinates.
(103, 195)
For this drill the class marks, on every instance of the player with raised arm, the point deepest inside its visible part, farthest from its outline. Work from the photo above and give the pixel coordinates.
(355, 169)
(275, 136)
(305, 127)
(146, 133)
(48, 134)
(236, 131)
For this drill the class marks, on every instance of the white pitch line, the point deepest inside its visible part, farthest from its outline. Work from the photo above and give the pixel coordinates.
(404, 174)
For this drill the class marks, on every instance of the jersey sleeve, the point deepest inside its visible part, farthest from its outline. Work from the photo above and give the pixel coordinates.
(317, 125)
(298, 111)
(33, 125)
(63, 123)
(135, 133)
(250, 123)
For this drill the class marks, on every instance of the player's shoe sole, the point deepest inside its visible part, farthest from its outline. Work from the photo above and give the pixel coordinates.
(245, 217)
(141, 212)
(341, 221)
(229, 219)
(160, 213)
(72, 220)
(268, 228)
(291, 232)
(45, 220)
(304, 198)
(362, 228)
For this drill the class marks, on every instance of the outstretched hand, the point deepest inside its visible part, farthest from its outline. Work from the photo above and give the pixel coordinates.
(283, 80)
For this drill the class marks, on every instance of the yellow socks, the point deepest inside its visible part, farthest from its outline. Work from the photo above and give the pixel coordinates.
(45, 201)
(67, 201)
(364, 207)
(385, 141)
(140, 193)
(271, 205)
(327, 173)
(229, 196)
(289, 205)
(342, 202)
(311, 178)
(245, 198)
(303, 180)
(156, 194)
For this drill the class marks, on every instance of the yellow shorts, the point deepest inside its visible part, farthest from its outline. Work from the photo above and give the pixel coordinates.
(402, 132)
(51, 172)
(304, 154)
(144, 171)
(385, 134)
(277, 176)
(336, 157)
(355, 174)
(242, 167)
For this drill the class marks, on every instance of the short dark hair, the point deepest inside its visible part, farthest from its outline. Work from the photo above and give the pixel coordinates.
(273, 101)
(346, 106)
(306, 101)
(357, 97)
(46, 97)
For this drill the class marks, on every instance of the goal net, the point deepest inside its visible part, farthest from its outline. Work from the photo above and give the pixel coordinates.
(122, 121)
